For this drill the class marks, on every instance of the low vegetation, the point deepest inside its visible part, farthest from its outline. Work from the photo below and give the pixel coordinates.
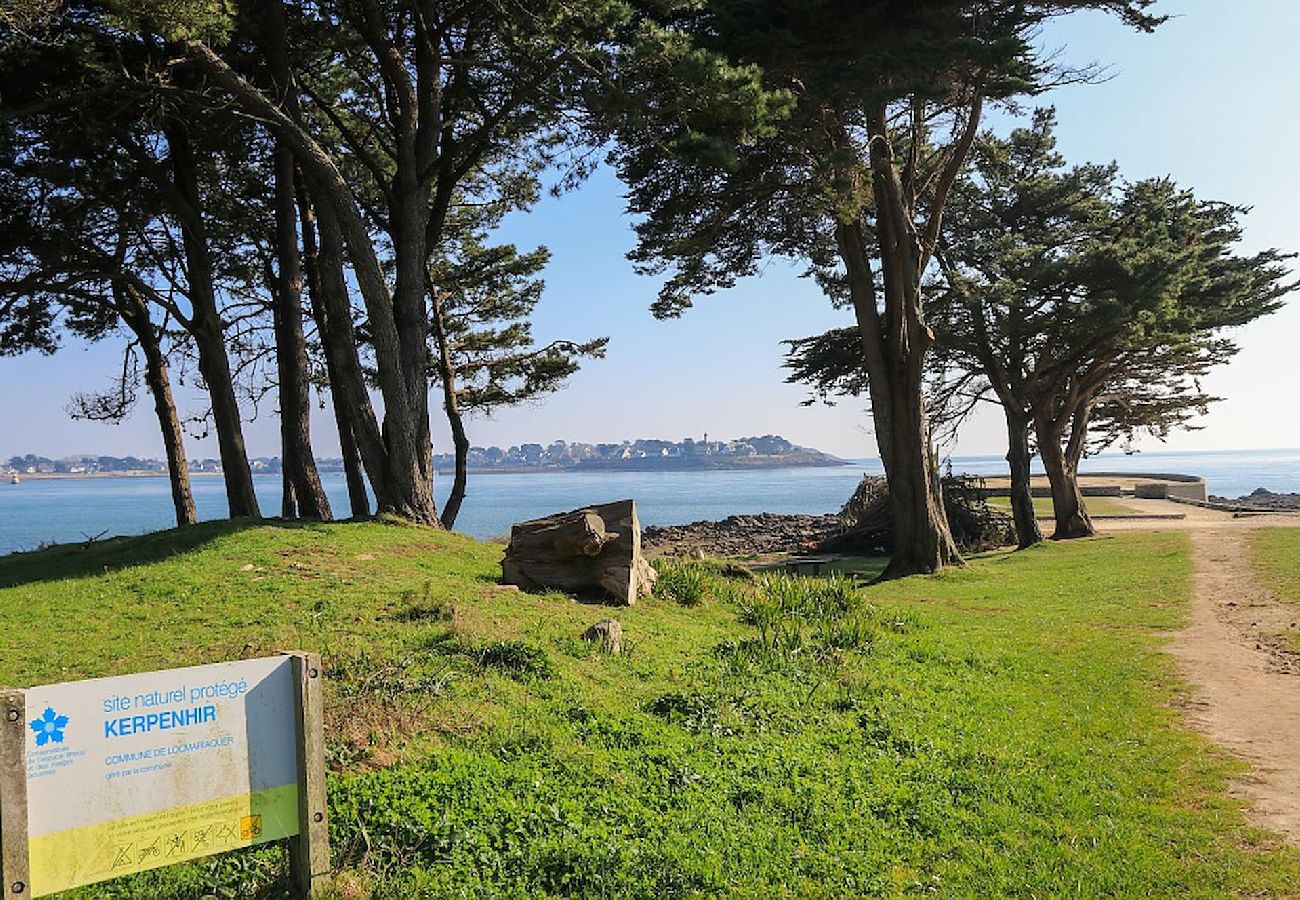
(1003, 729)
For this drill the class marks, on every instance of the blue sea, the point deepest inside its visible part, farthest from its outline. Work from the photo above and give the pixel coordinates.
(41, 511)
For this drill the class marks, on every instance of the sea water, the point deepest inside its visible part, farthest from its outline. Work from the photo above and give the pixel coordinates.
(58, 510)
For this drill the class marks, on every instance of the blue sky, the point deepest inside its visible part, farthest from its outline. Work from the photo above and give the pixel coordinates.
(1208, 100)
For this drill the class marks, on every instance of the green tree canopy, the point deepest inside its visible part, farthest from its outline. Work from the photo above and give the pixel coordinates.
(1087, 308)
(830, 132)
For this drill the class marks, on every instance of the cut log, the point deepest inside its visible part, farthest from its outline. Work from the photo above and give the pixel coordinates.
(590, 551)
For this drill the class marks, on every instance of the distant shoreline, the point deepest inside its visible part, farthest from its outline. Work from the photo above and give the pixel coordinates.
(70, 476)
(670, 464)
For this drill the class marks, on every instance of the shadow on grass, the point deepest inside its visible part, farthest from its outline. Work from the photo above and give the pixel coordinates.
(81, 559)
(860, 568)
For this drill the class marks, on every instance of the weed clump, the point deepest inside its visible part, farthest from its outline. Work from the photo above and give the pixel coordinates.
(805, 617)
(685, 583)
(696, 712)
(378, 678)
(514, 659)
(423, 607)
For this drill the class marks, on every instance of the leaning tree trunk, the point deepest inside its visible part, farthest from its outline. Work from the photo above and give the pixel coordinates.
(208, 332)
(358, 499)
(136, 315)
(1022, 496)
(451, 404)
(1072, 519)
(359, 438)
(460, 441)
(214, 366)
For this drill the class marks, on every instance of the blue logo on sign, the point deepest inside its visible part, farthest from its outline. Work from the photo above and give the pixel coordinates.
(49, 727)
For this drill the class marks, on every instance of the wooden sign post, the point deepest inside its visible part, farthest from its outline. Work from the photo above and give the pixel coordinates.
(14, 874)
(113, 776)
(309, 850)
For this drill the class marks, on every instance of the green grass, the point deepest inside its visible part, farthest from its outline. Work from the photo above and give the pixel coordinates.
(1275, 553)
(1010, 728)
(1044, 508)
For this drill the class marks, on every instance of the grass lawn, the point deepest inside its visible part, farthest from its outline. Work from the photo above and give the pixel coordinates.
(1275, 553)
(1097, 506)
(1010, 728)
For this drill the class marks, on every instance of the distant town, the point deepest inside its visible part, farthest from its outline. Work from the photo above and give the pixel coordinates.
(640, 455)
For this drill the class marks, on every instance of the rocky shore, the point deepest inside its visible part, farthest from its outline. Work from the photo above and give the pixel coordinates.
(740, 535)
(1262, 499)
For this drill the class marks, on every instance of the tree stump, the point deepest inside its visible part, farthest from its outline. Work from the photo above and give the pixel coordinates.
(595, 550)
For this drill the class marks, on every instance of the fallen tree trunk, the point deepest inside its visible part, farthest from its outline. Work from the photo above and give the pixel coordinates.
(590, 551)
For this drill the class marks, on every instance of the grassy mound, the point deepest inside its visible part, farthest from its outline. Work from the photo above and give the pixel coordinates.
(1009, 728)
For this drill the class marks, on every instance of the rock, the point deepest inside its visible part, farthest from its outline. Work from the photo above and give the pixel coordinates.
(1263, 500)
(741, 535)
(609, 633)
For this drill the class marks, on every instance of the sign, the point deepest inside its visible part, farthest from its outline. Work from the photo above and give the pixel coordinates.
(130, 773)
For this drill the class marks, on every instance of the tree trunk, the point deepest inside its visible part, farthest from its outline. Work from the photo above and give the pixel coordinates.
(303, 491)
(288, 502)
(208, 333)
(1022, 497)
(135, 313)
(347, 378)
(895, 344)
(398, 323)
(895, 367)
(451, 404)
(406, 426)
(297, 458)
(460, 441)
(1072, 519)
(345, 412)
(358, 499)
(922, 540)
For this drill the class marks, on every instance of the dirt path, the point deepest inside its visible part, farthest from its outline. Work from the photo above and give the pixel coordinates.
(1245, 681)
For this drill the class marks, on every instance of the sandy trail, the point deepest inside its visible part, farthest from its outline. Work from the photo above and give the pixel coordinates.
(1236, 655)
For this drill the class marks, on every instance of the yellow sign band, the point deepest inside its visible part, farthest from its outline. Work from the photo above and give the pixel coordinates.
(94, 853)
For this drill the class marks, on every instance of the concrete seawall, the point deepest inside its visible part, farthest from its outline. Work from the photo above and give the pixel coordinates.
(1141, 485)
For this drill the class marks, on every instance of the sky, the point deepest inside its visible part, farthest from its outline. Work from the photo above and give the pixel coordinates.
(1207, 100)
